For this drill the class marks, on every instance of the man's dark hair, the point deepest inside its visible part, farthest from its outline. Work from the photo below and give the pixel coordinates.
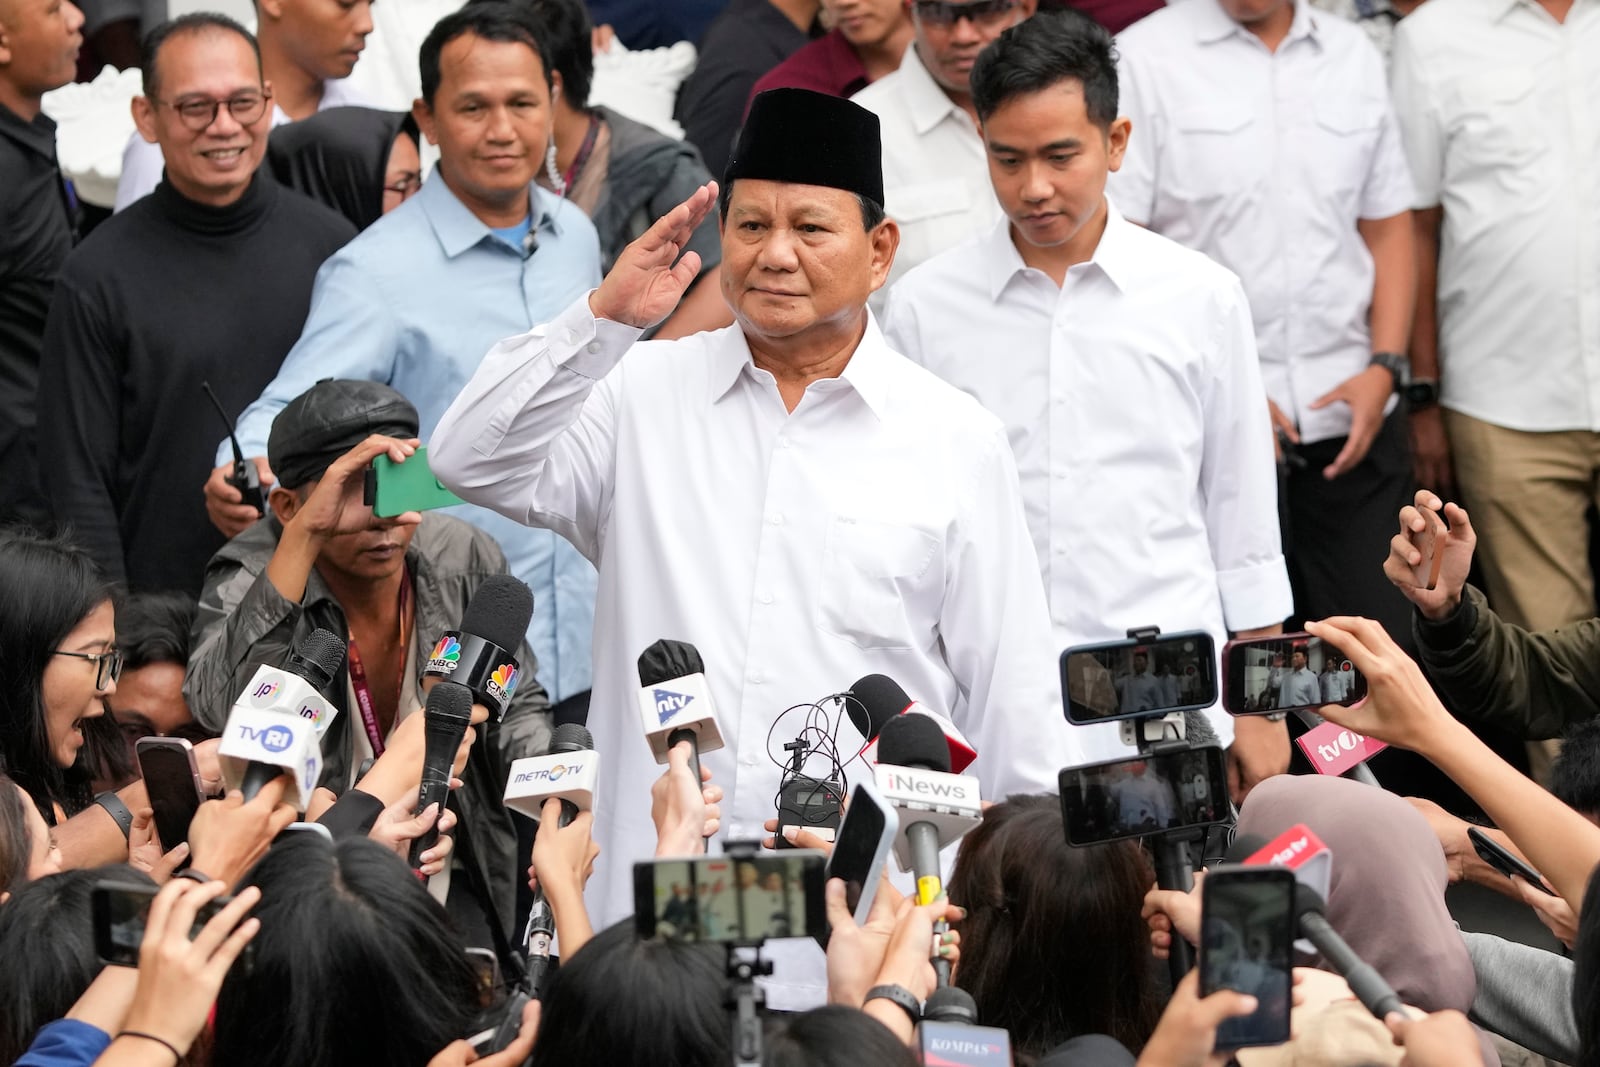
(1575, 774)
(154, 628)
(493, 20)
(569, 35)
(1050, 48)
(872, 212)
(199, 22)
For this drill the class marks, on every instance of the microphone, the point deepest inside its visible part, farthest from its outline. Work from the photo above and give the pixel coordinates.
(567, 772)
(1300, 850)
(446, 717)
(1309, 907)
(948, 1035)
(675, 702)
(877, 698)
(935, 806)
(481, 655)
(276, 724)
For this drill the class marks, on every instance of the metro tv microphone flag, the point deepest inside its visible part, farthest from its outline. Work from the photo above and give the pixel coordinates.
(277, 723)
(482, 654)
(675, 702)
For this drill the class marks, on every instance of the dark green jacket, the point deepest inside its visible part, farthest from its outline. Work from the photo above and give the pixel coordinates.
(244, 621)
(1488, 671)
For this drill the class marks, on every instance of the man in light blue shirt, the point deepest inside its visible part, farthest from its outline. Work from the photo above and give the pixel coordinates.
(417, 299)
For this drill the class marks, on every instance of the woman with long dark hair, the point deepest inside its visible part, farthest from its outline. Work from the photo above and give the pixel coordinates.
(58, 661)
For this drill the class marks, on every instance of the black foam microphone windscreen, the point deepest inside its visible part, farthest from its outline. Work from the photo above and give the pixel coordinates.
(666, 660)
(914, 741)
(1244, 846)
(877, 698)
(499, 611)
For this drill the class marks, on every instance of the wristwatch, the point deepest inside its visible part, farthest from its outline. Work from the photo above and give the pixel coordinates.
(1421, 393)
(899, 995)
(1396, 364)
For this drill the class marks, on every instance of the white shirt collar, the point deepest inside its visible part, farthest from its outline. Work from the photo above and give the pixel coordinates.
(926, 101)
(1216, 25)
(867, 372)
(1113, 256)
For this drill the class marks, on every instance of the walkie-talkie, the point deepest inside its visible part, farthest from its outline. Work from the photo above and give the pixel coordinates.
(245, 477)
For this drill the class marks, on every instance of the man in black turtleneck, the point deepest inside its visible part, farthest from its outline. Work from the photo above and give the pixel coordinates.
(206, 280)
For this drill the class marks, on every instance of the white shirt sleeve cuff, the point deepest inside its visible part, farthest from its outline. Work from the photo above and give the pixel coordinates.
(587, 345)
(1256, 595)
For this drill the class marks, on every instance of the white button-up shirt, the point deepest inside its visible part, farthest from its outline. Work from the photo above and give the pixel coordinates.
(876, 528)
(935, 169)
(1265, 161)
(143, 164)
(1500, 105)
(1133, 400)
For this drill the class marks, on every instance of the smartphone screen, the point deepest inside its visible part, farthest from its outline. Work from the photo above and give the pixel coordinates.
(1287, 672)
(119, 910)
(1247, 944)
(173, 784)
(1125, 679)
(862, 848)
(731, 900)
(1144, 795)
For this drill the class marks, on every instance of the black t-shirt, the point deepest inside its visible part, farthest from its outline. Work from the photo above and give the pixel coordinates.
(159, 298)
(36, 234)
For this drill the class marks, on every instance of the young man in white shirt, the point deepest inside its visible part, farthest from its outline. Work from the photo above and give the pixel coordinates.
(1124, 367)
(935, 182)
(1269, 144)
(802, 503)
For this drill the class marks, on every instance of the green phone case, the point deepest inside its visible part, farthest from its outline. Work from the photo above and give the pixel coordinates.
(409, 486)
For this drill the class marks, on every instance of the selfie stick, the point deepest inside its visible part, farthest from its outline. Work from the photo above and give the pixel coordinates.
(743, 997)
(1174, 864)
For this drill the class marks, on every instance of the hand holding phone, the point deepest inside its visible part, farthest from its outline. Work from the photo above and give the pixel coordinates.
(1504, 860)
(172, 781)
(861, 851)
(394, 488)
(1430, 556)
(1287, 672)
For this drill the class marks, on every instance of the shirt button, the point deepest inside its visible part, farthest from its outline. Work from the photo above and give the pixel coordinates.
(748, 761)
(594, 346)
(783, 442)
(776, 518)
(765, 598)
(756, 678)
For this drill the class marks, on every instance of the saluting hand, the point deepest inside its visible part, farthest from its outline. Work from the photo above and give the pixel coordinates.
(649, 278)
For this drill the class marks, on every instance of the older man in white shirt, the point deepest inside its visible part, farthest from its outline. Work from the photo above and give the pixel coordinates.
(1265, 139)
(1499, 101)
(1124, 367)
(788, 493)
(935, 180)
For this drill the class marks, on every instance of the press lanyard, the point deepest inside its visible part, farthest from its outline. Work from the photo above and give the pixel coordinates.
(358, 673)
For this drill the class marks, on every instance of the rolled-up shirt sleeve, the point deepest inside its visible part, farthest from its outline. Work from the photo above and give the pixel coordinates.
(533, 433)
(1239, 478)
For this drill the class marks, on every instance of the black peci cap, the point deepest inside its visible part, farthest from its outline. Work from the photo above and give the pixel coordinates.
(808, 138)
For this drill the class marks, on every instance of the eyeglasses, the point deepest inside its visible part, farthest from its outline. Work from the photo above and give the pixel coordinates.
(946, 13)
(108, 664)
(200, 112)
(405, 185)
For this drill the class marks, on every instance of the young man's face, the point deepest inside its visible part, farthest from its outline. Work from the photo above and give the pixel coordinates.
(1048, 162)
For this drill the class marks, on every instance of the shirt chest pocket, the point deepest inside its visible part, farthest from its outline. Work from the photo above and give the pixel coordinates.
(927, 210)
(1213, 152)
(880, 588)
(1496, 124)
(1346, 135)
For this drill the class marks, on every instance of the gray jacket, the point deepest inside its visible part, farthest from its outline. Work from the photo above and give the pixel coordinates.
(244, 622)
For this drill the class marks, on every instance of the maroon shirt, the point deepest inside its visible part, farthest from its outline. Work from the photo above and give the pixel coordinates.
(1114, 15)
(826, 65)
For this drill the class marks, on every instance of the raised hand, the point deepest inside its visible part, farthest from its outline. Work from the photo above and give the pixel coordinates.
(1400, 707)
(649, 277)
(1424, 535)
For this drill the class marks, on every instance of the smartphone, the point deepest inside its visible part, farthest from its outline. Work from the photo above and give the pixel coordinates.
(1133, 679)
(1504, 860)
(811, 804)
(861, 851)
(486, 976)
(1144, 795)
(119, 910)
(733, 900)
(1247, 929)
(395, 488)
(1287, 672)
(172, 780)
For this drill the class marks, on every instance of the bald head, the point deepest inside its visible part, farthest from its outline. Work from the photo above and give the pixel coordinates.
(39, 42)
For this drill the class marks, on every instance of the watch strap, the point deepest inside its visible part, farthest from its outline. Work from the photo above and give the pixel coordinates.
(897, 994)
(1398, 366)
(115, 808)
